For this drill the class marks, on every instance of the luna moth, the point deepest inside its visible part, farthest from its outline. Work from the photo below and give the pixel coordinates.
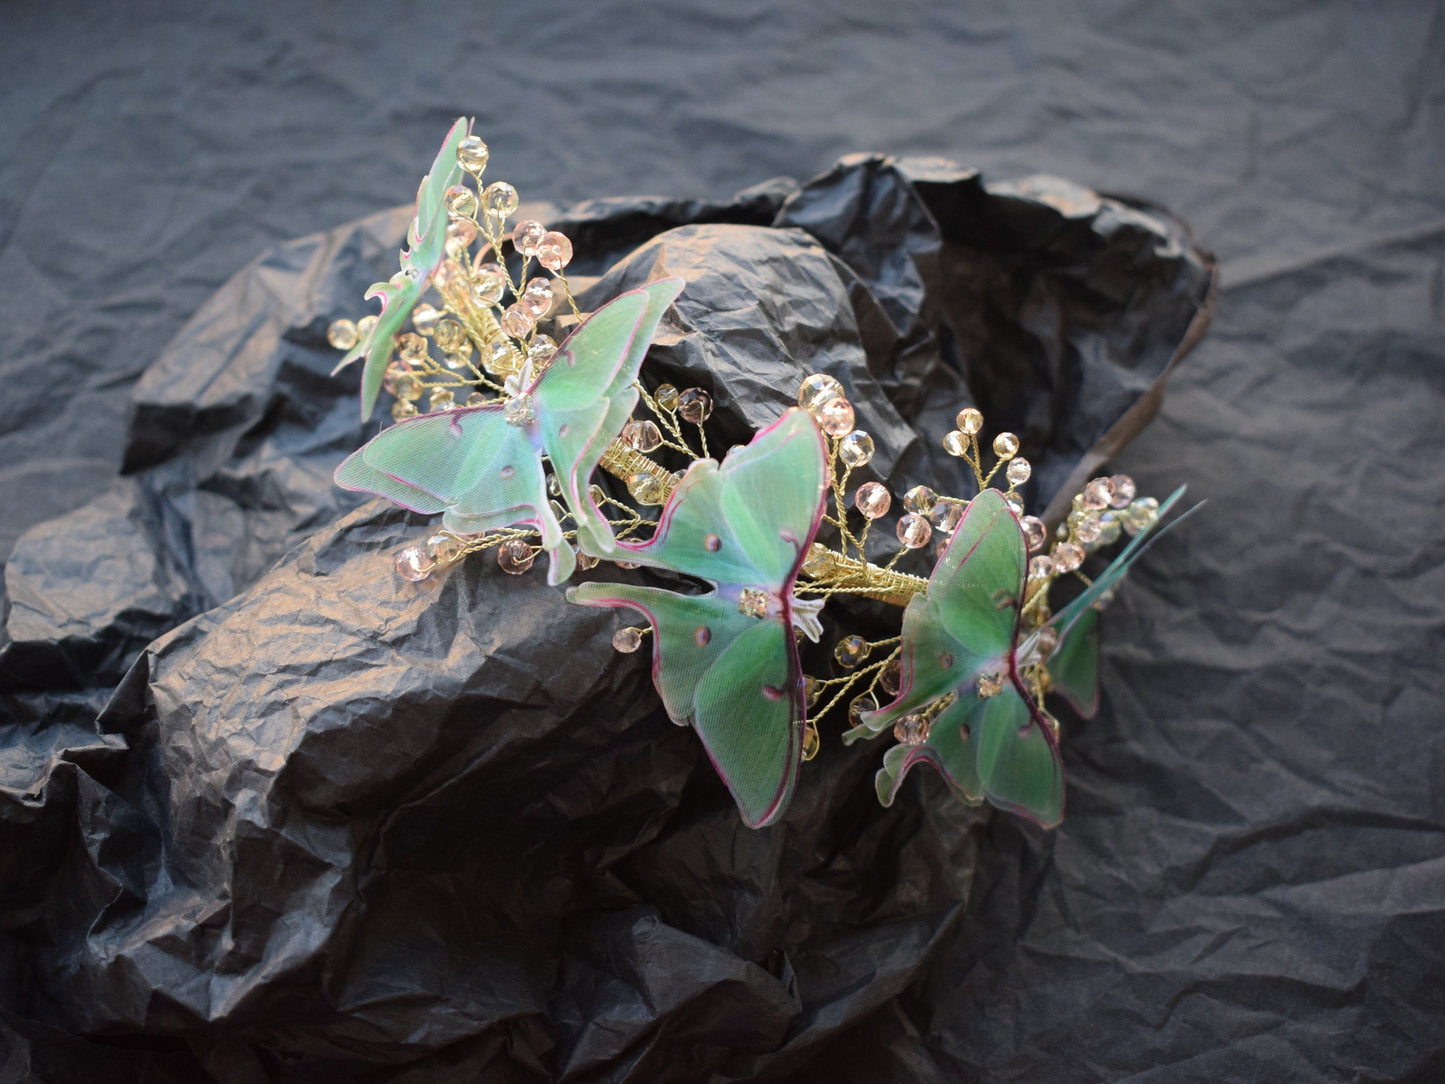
(725, 662)
(426, 248)
(481, 466)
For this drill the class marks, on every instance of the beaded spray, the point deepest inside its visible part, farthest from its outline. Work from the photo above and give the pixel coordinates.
(515, 426)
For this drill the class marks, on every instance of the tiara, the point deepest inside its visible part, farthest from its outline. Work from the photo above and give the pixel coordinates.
(529, 427)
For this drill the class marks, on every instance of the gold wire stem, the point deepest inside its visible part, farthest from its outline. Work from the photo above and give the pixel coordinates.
(832, 570)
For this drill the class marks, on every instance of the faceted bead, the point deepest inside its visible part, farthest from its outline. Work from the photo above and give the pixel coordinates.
(643, 436)
(914, 531)
(627, 640)
(811, 742)
(629, 565)
(850, 651)
(970, 421)
(460, 360)
(1105, 597)
(520, 410)
(585, 561)
(518, 321)
(812, 689)
(500, 200)
(666, 397)
(554, 486)
(816, 390)
(989, 684)
(541, 350)
(461, 201)
(461, 230)
(817, 560)
(1005, 445)
(342, 334)
(488, 287)
(919, 499)
(1041, 567)
(442, 399)
(424, 318)
(911, 729)
(555, 251)
(502, 357)
(646, 489)
(475, 399)
(955, 443)
(472, 154)
(514, 557)
(411, 346)
(946, 514)
(1018, 471)
(872, 499)
(1098, 493)
(856, 448)
(1035, 533)
(835, 417)
(447, 549)
(1110, 527)
(858, 706)
(1087, 530)
(365, 324)
(1068, 556)
(538, 296)
(1140, 514)
(414, 563)
(1014, 502)
(1048, 640)
(890, 677)
(694, 406)
(527, 236)
(448, 335)
(1123, 491)
(403, 408)
(407, 387)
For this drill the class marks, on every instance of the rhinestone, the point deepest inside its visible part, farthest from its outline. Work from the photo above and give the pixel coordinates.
(461, 201)
(989, 684)
(914, 531)
(818, 559)
(890, 677)
(448, 335)
(911, 730)
(850, 651)
(946, 514)
(1067, 556)
(1035, 533)
(475, 399)
(1005, 445)
(407, 387)
(920, 499)
(442, 399)
(694, 405)
(403, 408)
(955, 443)
(538, 296)
(665, 397)
(527, 236)
(858, 706)
(835, 417)
(541, 350)
(447, 549)
(342, 334)
(1098, 493)
(1110, 527)
(856, 448)
(500, 200)
(872, 500)
(414, 563)
(1041, 567)
(519, 411)
(555, 251)
(752, 603)
(365, 324)
(1123, 491)
(642, 436)
(816, 390)
(514, 556)
(627, 640)
(1140, 515)
(1018, 471)
(646, 489)
(518, 321)
(472, 154)
(424, 318)
(1087, 530)
(970, 421)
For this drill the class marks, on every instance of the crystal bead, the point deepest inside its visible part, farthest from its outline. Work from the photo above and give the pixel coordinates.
(1018, 470)
(488, 287)
(872, 499)
(643, 436)
(1110, 527)
(969, 421)
(1035, 533)
(955, 443)
(818, 559)
(554, 252)
(914, 531)
(694, 406)
(989, 685)
(520, 410)
(1106, 596)
(629, 565)
(502, 357)
(463, 231)
(475, 399)
(1140, 515)
(514, 557)
(835, 417)
(666, 397)
(394, 372)
(946, 514)
(460, 360)
(856, 449)
(403, 408)
(365, 324)
(500, 200)
(1015, 502)
(446, 273)
(1041, 567)
(410, 346)
(538, 296)
(1087, 530)
(919, 499)
(911, 730)
(850, 651)
(811, 742)
(812, 689)
(407, 387)
(752, 602)
(627, 640)
(517, 320)
(424, 318)
(1067, 556)
(342, 334)
(1005, 445)
(890, 678)
(858, 706)
(527, 236)
(585, 561)
(1097, 494)
(414, 563)
(461, 201)
(442, 399)
(646, 489)
(446, 549)
(472, 154)
(554, 486)
(448, 335)
(1048, 640)
(816, 390)
(1123, 491)
(541, 350)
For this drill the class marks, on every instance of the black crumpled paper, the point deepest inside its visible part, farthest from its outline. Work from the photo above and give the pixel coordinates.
(334, 825)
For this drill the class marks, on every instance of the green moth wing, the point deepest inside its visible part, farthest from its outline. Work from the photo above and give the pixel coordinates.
(1074, 665)
(426, 247)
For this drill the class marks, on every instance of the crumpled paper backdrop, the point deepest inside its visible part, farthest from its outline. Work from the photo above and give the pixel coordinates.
(335, 825)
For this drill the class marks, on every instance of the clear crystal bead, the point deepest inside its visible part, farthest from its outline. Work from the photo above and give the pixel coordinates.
(461, 201)
(1068, 556)
(815, 390)
(627, 640)
(463, 231)
(818, 560)
(424, 318)
(448, 335)
(446, 549)
(955, 443)
(646, 489)
(475, 399)
(365, 324)
(856, 449)
(1005, 445)
(500, 200)
(472, 154)
(858, 706)
(1110, 527)
(410, 346)
(666, 397)
(890, 678)
(541, 350)
(1035, 533)
(414, 563)
(911, 729)
(488, 286)
(342, 334)
(1140, 515)
(1087, 530)
(1015, 502)
(514, 557)
(946, 514)
(919, 499)
(403, 409)
(517, 320)
(694, 406)
(1018, 471)
(850, 651)
(527, 236)
(835, 417)
(872, 499)
(811, 742)
(555, 251)
(442, 399)
(407, 387)
(914, 531)
(643, 436)
(1124, 491)
(970, 421)
(1041, 567)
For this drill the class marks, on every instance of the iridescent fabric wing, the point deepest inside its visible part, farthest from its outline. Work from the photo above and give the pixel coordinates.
(1074, 665)
(426, 247)
(588, 392)
(963, 629)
